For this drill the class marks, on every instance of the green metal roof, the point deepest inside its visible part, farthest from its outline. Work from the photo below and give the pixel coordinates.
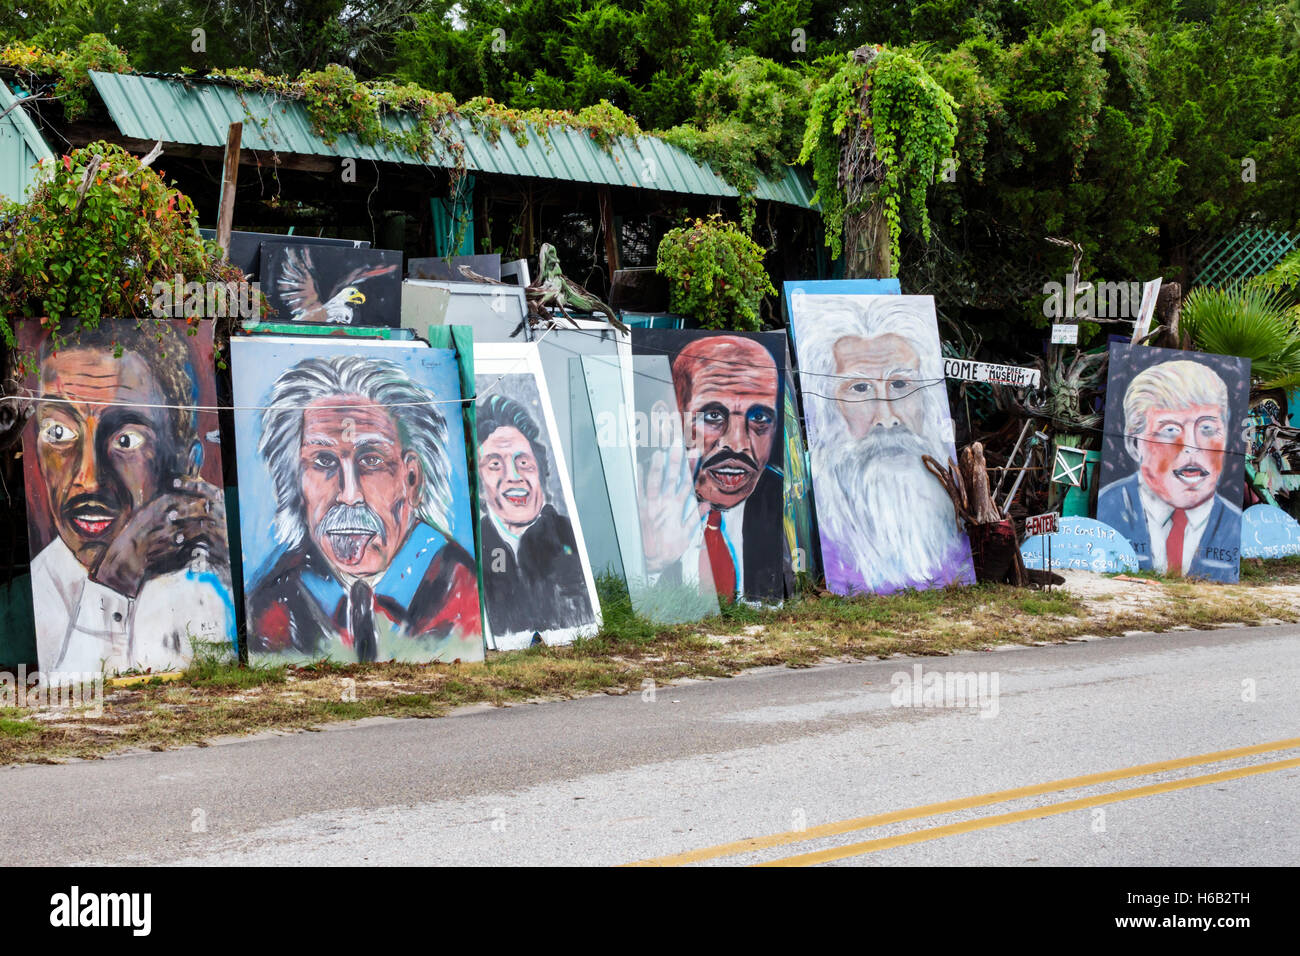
(182, 110)
(21, 148)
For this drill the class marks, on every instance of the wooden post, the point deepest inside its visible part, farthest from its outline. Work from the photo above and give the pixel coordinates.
(230, 175)
(611, 238)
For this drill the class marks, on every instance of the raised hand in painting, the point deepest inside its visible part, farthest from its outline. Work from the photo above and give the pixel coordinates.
(185, 525)
(669, 510)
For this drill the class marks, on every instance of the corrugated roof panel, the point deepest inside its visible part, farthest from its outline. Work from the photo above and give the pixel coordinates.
(21, 148)
(199, 112)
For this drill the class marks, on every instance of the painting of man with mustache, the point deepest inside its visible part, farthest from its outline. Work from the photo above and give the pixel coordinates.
(711, 503)
(1175, 417)
(127, 518)
(360, 460)
(875, 401)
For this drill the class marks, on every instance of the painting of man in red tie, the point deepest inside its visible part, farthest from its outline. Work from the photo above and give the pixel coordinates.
(723, 527)
(1174, 418)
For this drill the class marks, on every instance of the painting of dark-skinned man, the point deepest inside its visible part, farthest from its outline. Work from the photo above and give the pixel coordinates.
(127, 522)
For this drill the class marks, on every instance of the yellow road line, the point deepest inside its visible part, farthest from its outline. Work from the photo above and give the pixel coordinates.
(750, 844)
(1069, 806)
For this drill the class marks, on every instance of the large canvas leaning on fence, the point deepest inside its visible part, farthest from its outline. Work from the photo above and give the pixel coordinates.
(710, 450)
(130, 562)
(357, 531)
(874, 400)
(1172, 460)
(537, 580)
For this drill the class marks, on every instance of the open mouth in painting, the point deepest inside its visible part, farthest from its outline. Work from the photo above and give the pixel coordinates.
(730, 473)
(1191, 475)
(91, 517)
(730, 478)
(349, 530)
(518, 499)
(349, 546)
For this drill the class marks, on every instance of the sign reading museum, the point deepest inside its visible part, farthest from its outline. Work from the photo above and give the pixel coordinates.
(1011, 375)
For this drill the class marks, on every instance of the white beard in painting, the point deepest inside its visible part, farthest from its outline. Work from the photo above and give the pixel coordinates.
(889, 519)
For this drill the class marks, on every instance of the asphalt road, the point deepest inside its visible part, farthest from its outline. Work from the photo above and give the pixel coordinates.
(696, 768)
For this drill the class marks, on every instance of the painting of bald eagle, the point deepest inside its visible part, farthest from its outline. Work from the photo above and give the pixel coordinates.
(324, 285)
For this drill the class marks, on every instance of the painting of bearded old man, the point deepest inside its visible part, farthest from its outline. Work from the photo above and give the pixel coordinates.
(875, 403)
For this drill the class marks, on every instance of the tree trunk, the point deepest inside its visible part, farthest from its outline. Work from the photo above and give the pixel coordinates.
(866, 243)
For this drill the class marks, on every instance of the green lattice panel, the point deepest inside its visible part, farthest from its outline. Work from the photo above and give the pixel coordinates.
(1245, 253)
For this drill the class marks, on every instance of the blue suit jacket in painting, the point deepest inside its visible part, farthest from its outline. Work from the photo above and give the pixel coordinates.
(1119, 505)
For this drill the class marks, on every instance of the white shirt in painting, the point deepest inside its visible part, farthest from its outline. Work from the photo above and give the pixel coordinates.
(1160, 520)
(84, 626)
(732, 527)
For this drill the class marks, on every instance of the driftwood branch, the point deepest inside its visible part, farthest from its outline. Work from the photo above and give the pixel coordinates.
(23, 101)
(979, 499)
(950, 478)
(86, 179)
(153, 154)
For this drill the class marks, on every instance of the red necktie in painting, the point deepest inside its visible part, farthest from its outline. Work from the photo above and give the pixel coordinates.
(1174, 543)
(718, 558)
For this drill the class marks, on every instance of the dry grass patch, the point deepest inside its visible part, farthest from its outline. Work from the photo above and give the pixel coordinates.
(216, 698)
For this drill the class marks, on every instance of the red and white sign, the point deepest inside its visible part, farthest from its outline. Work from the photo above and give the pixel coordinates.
(1043, 524)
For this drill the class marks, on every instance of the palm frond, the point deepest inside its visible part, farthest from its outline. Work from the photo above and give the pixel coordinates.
(1248, 320)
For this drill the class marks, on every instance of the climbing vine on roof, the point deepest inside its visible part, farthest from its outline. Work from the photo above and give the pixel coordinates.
(739, 148)
(339, 104)
(748, 122)
(71, 69)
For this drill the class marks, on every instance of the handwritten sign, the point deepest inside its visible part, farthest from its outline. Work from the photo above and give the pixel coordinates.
(993, 374)
(1082, 544)
(1147, 309)
(1065, 334)
(1043, 524)
(1268, 532)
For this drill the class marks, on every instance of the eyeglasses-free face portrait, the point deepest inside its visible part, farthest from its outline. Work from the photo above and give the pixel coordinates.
(354, 498)
(361, 488)
(103, 447)
(1180, 452)
(130, 557)
(875, 403)
(879, 384)
(1172, 458)
(727, 388)
(511, 477)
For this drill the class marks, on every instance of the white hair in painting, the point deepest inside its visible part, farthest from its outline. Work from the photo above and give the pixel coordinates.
(886, 523)
(422, 429)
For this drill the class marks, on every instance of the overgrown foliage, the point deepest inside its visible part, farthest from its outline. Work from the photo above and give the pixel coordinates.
(92, 240)
(1283, 277)
(715, 274)
(1140, 129)
(71, 70)
(1251, 321)
(748, 121)
(913, 129)
(339, 104)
